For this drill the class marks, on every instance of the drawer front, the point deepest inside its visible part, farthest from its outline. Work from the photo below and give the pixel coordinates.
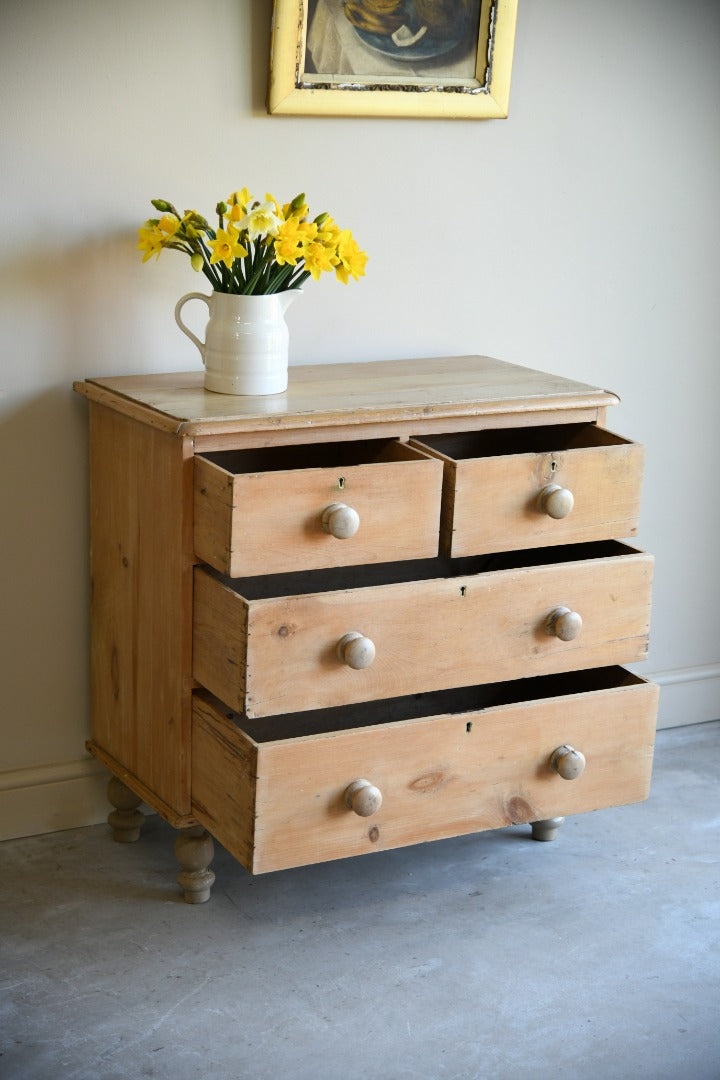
(289, 519)
(282, 804)
(276, 655)
(506, 501)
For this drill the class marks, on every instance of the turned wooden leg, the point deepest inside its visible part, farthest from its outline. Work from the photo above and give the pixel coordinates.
(194, 852)
(547, 828)
(125, 820)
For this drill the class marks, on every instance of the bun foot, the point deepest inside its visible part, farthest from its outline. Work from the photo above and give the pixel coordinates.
(547, 828)
(125, 820)
(194, 850)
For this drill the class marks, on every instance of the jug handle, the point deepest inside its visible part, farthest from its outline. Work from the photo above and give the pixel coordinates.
(183, 300)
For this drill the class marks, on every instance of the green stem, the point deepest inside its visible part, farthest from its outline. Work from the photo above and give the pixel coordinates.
(281, 279)
(260, 267)
(299, 280)
(208, 270)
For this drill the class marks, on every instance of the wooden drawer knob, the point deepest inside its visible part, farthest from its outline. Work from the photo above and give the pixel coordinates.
(567, 762)
(356, 650)
(564, 624)
(363, 797)
(340, 521)
(556, 501)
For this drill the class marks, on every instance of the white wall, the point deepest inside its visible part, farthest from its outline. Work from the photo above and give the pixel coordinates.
(580, 235)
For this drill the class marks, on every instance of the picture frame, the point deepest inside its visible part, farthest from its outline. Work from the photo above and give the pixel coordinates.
(449, 59)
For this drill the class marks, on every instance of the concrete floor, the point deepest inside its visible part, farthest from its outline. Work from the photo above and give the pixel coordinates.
(491, 956)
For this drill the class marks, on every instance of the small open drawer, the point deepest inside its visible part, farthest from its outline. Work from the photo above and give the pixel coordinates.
(288, 508)
(287, 792)
(291, 642)
(516, 488)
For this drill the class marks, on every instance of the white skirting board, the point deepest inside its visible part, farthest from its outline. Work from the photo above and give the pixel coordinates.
(687, 695)
(49, 798)
(72, 794)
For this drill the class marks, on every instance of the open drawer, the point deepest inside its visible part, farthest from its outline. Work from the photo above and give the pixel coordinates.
(285, 792)
(284, 508)
(515, 488)
(293, 642)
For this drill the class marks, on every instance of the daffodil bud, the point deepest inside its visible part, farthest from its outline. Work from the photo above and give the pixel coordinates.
(298, 202)
(196, 261)
(321, 219)
(191, 232)
(221, 208)
(161, 205)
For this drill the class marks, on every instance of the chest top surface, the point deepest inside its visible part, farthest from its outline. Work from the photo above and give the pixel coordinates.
(334, 395)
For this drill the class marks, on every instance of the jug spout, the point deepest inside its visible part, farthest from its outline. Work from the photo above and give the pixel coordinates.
(286, 298)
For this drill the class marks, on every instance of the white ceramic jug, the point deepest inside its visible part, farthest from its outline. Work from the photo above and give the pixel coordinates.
(246, 341)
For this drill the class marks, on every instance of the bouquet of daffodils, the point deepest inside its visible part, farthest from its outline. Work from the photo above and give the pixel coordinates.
(257, 247)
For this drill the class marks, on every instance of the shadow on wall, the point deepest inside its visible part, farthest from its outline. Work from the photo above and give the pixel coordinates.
(260, 21)
(90, 309)
(45, 586)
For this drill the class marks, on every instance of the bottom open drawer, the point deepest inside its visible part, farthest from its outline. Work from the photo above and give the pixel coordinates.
(274, 791)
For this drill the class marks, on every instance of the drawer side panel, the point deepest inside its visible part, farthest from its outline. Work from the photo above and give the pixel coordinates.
(219, 639)
(223, 780)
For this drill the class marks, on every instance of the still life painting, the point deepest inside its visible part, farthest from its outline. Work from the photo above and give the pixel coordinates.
(445, 58)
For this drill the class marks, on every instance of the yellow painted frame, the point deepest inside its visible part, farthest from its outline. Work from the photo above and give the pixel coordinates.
(291, 92)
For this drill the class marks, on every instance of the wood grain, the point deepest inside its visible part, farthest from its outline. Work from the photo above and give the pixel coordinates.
(141, 602)
(441, 776)
(224, 777)
(348, 395)
(271, 522)
(267, 645)
(428, 634)
(491, 503)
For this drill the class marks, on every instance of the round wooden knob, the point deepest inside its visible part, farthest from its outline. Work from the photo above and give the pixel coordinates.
(567, 762)
(340, 521)
(556, 501)
(363, 797)
(564, 624)
(355, 650)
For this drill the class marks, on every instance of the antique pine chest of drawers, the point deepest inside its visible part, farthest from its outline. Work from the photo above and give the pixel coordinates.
(388, 606)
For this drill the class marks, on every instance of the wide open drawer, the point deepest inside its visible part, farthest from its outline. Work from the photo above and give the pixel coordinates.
(289, 508)
(275, 792)
(510, 489)
(264, 647)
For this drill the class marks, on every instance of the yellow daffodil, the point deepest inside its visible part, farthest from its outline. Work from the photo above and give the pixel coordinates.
(329, 233)
(151, 240)
(169, 225)
(226, 247)
(318, 259)
(350, 259)
(238, 203)
(267, 247)
(291, 241)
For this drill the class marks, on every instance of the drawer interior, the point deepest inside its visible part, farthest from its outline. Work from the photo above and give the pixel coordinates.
(359, 577)
(501, 442)
(417, 706)
(338, 455)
